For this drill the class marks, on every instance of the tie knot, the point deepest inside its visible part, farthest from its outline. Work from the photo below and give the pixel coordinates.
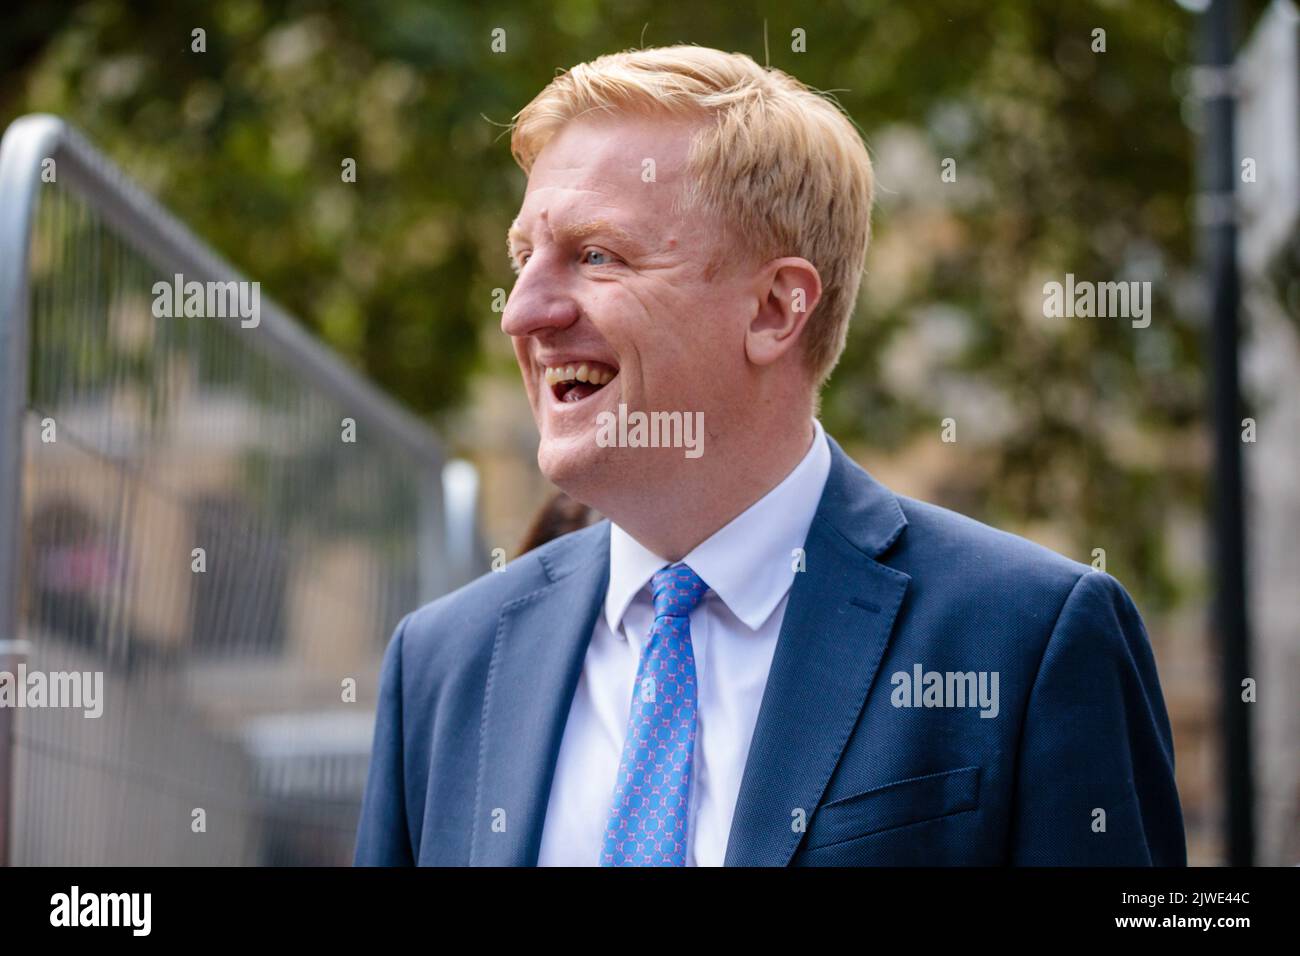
(677, 590)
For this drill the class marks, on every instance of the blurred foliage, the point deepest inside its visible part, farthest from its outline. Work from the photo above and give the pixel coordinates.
(1067, 161)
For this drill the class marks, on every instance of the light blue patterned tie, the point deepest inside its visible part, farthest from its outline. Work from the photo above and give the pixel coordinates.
(647, 824)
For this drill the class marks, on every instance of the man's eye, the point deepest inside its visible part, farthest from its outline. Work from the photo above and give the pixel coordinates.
(597, 252)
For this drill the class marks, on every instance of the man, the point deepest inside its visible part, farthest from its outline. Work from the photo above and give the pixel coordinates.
(762, 656)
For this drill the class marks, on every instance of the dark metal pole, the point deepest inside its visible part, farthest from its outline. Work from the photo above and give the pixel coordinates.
(1218, 174)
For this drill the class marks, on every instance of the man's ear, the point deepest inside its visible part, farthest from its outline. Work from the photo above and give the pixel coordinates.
(790, 289)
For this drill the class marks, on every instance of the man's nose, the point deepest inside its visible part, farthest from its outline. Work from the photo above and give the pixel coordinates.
(538, 302)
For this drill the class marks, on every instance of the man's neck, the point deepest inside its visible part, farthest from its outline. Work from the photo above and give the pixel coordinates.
(704, 501)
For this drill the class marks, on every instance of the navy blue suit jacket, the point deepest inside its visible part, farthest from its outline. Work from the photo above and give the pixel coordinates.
(1076, 768)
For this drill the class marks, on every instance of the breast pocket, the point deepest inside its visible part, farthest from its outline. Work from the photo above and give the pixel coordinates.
(897, 804)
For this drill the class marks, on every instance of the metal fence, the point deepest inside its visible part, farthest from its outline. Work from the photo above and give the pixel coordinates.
(214, 517)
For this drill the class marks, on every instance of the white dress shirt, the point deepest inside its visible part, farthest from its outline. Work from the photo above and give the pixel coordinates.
(749, 566)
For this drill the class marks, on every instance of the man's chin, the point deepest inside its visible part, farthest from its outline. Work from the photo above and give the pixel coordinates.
(571, 462)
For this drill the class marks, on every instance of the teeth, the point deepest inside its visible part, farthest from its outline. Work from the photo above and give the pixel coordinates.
(581, 373)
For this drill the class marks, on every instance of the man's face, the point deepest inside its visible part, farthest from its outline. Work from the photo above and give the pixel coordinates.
(610, 279)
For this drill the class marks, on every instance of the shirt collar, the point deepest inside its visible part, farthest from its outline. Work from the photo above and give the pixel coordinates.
(749, 562)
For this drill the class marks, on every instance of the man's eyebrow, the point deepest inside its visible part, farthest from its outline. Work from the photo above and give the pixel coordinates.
(578, 230)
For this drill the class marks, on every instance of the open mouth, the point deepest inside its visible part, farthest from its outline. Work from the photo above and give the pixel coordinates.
(573, 383)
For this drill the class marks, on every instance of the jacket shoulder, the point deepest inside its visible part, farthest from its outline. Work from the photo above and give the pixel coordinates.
(460, 622)
(940, 541)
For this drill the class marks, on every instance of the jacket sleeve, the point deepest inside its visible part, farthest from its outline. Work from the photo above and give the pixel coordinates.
(1095, 770)
(383, 835)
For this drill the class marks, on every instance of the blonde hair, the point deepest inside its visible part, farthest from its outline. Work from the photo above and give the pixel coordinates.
(781, 166)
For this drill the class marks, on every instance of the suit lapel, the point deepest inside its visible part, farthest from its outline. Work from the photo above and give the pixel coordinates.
(837, 625)
(836, 628)
(541, 641)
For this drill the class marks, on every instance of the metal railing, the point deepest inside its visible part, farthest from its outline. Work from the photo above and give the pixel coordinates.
(213, 518)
